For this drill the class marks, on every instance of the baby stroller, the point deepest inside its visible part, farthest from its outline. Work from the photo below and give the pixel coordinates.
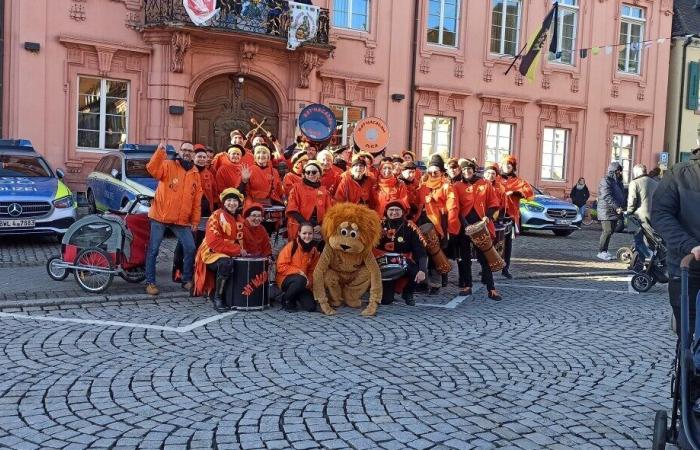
(687, 436)
(647, 272)
(97, 247)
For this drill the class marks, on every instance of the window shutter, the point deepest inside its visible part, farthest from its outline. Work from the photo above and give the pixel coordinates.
(692, 92)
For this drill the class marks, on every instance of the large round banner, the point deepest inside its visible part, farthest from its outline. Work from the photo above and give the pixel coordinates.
(317, 122)
(371, 135)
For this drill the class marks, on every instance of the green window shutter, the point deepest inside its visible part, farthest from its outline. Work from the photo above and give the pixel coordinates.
(692, 95)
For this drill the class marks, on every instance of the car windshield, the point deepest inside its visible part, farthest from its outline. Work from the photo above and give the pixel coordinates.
(136, 168)
(23, 166)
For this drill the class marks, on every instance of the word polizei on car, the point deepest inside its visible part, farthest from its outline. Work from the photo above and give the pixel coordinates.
(33, 198)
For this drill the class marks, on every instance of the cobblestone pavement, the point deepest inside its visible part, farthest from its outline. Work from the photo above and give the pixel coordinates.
(560, 363)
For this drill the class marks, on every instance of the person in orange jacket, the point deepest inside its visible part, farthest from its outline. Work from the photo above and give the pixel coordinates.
(234, 173)
(457, 245)
(516, 189)
(177, 206)
(295, 176)
(264, 185)
(331, 173)
(308, 201)
(295, 267)
(256, 241)
(410, 178)
(479, 201)
(222, 243)
(389, 188)
(355, 185)
(441, 209)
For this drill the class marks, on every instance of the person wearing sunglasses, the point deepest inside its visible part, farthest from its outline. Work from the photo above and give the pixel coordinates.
(256, 241)
(308, 201)
(389, 188)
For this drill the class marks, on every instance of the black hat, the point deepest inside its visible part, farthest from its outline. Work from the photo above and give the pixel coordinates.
(437, 161)
(409, 165)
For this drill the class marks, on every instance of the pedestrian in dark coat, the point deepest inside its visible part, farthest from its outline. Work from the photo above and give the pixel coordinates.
(580, 195)
(611, 204)
(676, 217)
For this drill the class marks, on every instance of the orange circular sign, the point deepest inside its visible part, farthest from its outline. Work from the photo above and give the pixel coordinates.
(371, 135)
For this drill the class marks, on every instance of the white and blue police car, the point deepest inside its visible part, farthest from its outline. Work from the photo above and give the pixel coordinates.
(120, 176)
(33, 197)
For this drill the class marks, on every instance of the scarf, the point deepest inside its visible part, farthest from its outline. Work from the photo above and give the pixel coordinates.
(313, 184)
(580, 186)
(457, 179)
(200, 168)
(387, 183)
(434, 183)
(508, 175)
(306, 248)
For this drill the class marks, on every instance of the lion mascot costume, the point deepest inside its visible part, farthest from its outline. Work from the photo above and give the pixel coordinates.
(347, 267)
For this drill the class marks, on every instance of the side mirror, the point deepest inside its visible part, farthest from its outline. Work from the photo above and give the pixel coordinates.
(60, 174)
(115, 174)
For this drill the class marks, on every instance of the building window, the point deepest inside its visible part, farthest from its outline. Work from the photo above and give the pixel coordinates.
(443, 20)
(437, 136)
(555, 142)
(353, 14)
(623, 152)
(347, 117)
(568, 23)
(629, 59)
(505, 26)
(499, 141)
(103, 113)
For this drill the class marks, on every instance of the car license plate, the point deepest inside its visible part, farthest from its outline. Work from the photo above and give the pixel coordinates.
(17, 223)
(562, 222)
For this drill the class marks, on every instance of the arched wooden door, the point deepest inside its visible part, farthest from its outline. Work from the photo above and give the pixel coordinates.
(219, 110)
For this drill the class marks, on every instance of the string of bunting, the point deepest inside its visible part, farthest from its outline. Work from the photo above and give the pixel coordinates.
(608, 49)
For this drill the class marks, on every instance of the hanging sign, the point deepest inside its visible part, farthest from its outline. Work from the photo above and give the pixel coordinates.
(201, 12)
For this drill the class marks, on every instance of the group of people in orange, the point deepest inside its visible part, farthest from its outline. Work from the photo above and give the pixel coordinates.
(256, 185)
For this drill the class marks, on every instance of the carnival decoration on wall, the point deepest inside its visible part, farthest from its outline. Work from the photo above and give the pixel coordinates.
(302, 25)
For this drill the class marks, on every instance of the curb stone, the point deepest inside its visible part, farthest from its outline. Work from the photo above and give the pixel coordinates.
(94, 299)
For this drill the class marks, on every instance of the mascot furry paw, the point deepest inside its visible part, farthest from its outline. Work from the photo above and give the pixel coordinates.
(347, 267)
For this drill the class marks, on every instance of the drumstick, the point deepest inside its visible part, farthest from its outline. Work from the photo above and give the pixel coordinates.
(258, 125)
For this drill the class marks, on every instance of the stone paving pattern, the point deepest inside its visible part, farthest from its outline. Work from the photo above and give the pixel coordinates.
(582, 368)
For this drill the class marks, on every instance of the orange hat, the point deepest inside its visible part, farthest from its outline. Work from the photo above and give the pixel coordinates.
(512, 160)
(252, 207)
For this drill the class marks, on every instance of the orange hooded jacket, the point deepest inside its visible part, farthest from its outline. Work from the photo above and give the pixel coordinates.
(349, 190)
(178, 199)
(293, 260)
(520, 189)
(304, 199)
(388, 189)
(440, 199)
(264, 185)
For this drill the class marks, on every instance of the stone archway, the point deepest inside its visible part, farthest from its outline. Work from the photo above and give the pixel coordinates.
(218, 109)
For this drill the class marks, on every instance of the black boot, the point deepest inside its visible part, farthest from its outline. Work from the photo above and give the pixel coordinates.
(218, 297)
(506, 274)
(408, 298)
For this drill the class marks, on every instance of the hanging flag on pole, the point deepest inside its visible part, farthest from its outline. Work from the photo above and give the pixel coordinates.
(303, 24)
(530, 61)
(201, 12)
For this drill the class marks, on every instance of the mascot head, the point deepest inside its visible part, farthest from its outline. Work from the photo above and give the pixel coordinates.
(351, 228)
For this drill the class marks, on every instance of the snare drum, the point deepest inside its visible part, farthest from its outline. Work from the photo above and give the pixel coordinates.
(392, 265)
(273, 213)
(503, 229)
(248, 288)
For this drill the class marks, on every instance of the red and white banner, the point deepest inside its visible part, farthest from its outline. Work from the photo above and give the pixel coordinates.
(201, 11)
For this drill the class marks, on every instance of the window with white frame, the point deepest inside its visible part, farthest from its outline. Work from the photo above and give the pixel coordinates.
(623, 152)
(555, 143)
(437, 136)
(103, 113)
(629, 58)
(346, 117)
(499, 141)
(443, 22)
(353, 14)
(568, 27)
(505, 26)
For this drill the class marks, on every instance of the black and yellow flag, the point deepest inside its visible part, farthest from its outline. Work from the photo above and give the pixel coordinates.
(530, 61)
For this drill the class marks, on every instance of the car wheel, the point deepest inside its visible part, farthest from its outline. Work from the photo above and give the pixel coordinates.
(562, 232)
(92, 206)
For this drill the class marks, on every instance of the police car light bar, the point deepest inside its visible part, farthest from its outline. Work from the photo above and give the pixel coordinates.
(144, 148)
(18, 144)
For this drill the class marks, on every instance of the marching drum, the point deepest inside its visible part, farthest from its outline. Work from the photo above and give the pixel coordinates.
(273, 213)
(503, 229)
(392, 265)
(248, 288)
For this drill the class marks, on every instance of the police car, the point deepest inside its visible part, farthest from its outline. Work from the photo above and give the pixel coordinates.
(33, 198)
(120, 176)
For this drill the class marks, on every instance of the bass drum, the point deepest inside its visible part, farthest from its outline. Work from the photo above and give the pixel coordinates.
(248, 288)
(392, 265)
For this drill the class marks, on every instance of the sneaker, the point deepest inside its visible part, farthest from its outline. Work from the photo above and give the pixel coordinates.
(605, 256)
(494, 295)
(506, 274)
(152, 289)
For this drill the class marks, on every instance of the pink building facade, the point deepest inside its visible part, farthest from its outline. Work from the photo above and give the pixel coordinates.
(114, 71)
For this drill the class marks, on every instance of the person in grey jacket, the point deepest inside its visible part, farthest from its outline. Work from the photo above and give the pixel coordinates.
(611, 203)
(675, 215)
(641, 190)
